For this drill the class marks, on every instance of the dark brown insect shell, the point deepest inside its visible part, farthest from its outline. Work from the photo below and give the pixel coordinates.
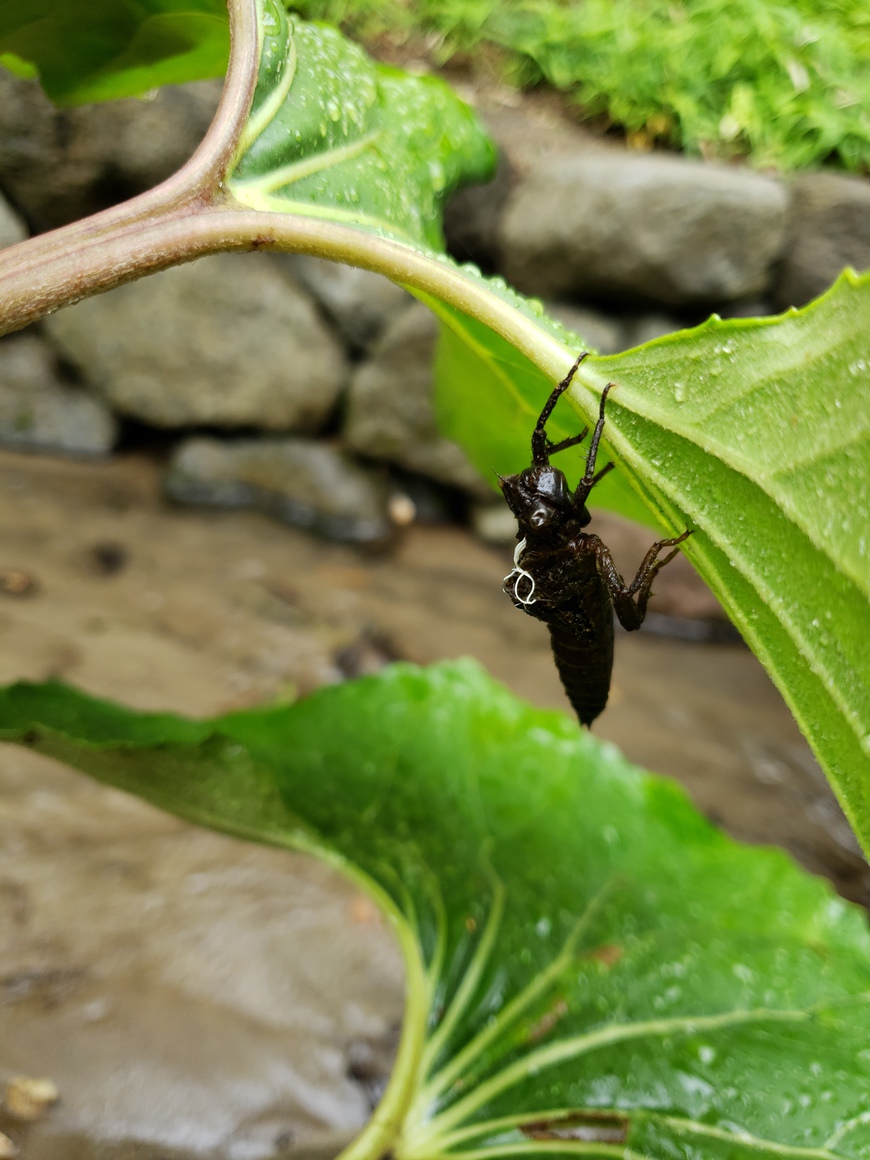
(541, 500)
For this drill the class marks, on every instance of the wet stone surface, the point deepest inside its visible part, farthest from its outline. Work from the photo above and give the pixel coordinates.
(655, 227)
(12, 228)
(300, 481)
(195, 996)
(185, 992)
(39, 411)
(390, 414)
(226, 341)
(359, 303)
(61, 164)
(829, 230)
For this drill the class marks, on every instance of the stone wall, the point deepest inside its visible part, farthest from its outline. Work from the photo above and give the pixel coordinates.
(304, 388)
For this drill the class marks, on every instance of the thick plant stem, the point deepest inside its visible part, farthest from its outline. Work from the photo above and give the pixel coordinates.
(54, 269)
(177, 233)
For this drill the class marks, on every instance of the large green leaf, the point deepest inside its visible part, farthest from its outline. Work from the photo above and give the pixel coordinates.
(94, 50)
(755, 433)
(592, 968)
(333, 135)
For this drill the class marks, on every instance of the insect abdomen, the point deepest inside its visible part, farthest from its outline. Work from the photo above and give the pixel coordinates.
(584, 666)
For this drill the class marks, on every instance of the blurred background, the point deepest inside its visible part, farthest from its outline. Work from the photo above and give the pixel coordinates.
(224, 485)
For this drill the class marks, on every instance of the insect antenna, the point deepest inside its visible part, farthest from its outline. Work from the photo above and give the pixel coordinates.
(540, 447)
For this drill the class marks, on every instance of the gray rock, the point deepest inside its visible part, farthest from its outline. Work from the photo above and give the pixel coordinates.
(534, 127)
(747, 308)
(39, 412)
(12, 228)
(302, 482)
(645, 327)
(225, 341)
(472, 214)
(651, 227)
(202, 1017)
(829, 228)
(60, 164)
(359, 302)
(147, 140)
(601, 332)
(389, 412)
(494, 522)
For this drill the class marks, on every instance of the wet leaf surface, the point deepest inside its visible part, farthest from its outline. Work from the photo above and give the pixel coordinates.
(591, 966)
(334, 135)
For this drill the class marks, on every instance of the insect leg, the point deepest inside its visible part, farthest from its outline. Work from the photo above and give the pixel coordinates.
(651, 564)
(540, 450)
(564, 444)
(589, 476)
(601, 474)
(631, 611)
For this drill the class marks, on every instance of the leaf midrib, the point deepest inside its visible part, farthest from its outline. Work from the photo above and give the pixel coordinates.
(262, 190)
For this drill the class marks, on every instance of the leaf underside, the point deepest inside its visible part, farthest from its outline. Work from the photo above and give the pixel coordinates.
(755, 433)
(592, 967)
